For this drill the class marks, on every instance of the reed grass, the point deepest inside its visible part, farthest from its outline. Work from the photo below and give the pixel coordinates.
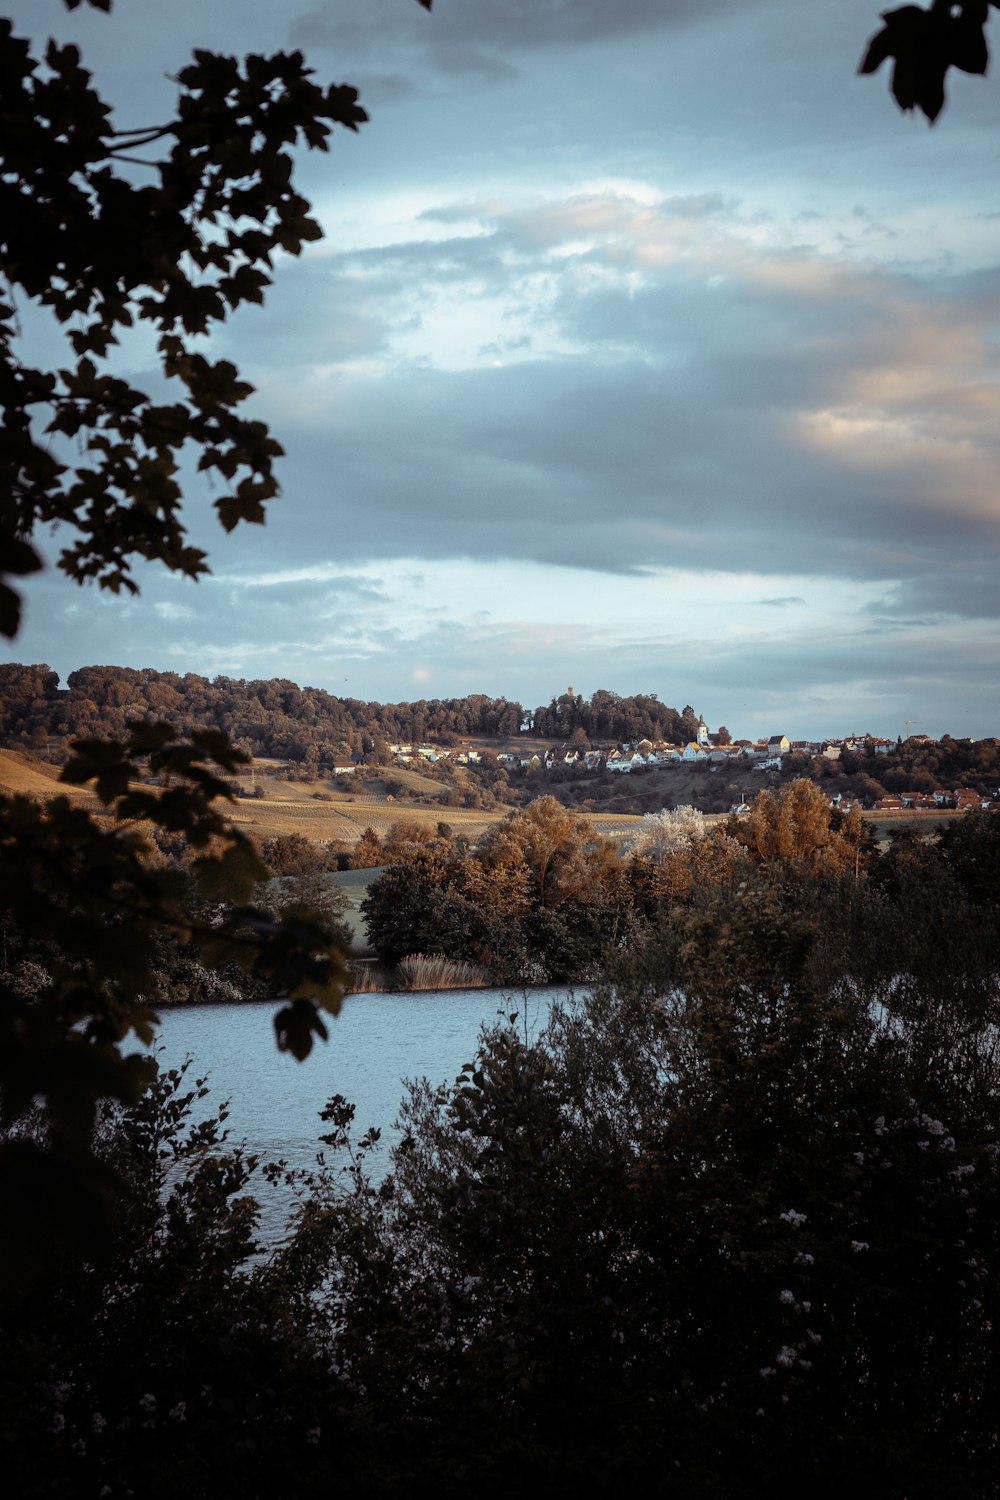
(432, 971)
(363, 979)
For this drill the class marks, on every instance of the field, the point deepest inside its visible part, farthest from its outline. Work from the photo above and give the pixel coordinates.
(272, 805)
(313, 809)
(294, 807)
(23, 774)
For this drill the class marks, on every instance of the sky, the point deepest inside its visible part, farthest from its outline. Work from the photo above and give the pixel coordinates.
(649, 348)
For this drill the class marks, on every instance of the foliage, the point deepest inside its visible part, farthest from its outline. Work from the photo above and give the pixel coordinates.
(918, 764)
(103, 254)
(367, 852)
(796, 823)
(924, 44)
(179, 1357)
(303, 885)
(732, 1222)
(88, 242)
(91, 895)
(661, 834)
(307, 725)
(970, 847)
(541, 897)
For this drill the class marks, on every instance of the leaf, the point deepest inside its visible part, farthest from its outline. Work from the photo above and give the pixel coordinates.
(294, 1027)
(969, 51)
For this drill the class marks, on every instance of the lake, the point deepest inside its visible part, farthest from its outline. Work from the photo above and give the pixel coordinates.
(376, 1042)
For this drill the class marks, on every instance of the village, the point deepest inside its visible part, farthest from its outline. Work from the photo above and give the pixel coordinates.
(712, 751)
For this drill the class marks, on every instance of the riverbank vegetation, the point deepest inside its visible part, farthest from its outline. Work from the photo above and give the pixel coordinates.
(728, 1223)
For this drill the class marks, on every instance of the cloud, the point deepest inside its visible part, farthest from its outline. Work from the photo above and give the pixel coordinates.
(651, 302)
(659, 387)
(480, 37)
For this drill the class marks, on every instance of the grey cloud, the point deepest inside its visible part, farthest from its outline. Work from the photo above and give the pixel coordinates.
(956, 587)
(607, 469)
(682, 440)
(474, 36)
(783, 601)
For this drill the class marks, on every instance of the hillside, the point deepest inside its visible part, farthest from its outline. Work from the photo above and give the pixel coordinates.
(316, 809)
(23, 774)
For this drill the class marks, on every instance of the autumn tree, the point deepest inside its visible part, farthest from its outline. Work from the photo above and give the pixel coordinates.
(367, 852)
(796, 824)
(558, 849)
(662, 834)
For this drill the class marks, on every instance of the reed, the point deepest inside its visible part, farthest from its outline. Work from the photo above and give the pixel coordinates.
(363, 979)
(432, 971)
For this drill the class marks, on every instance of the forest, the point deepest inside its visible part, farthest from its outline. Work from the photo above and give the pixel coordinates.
(306, 726)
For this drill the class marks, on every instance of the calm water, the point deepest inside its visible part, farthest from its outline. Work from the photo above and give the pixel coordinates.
(375, 1043)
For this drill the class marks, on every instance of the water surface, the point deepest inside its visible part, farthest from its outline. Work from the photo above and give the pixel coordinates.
(376, 1043)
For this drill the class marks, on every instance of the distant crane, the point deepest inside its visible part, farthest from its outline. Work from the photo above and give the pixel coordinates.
(909, 722)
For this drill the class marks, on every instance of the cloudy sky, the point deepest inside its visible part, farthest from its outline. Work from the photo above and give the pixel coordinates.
(649, 348)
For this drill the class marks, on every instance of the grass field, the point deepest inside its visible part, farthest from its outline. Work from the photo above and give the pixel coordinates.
(323, 814)
(23, 774)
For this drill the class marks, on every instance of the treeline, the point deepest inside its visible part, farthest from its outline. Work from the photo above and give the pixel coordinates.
(541, 897)
(926, 766)
(728, 1225)
(608, 718)
(306, 726)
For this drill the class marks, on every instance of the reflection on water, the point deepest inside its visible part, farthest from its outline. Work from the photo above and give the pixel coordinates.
(376, 1042)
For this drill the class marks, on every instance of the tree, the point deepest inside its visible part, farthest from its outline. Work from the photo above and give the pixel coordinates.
(559, 851)
(82, 242)
(728, 1224)
(924, 44)
(796, 824)
(367, 852)
(88, 896)
(662, 834)
(101, 254)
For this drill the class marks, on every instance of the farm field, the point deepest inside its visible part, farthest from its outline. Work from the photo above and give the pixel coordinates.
(308, 808)
(293, 807)
(23, 774)
(323, 813)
